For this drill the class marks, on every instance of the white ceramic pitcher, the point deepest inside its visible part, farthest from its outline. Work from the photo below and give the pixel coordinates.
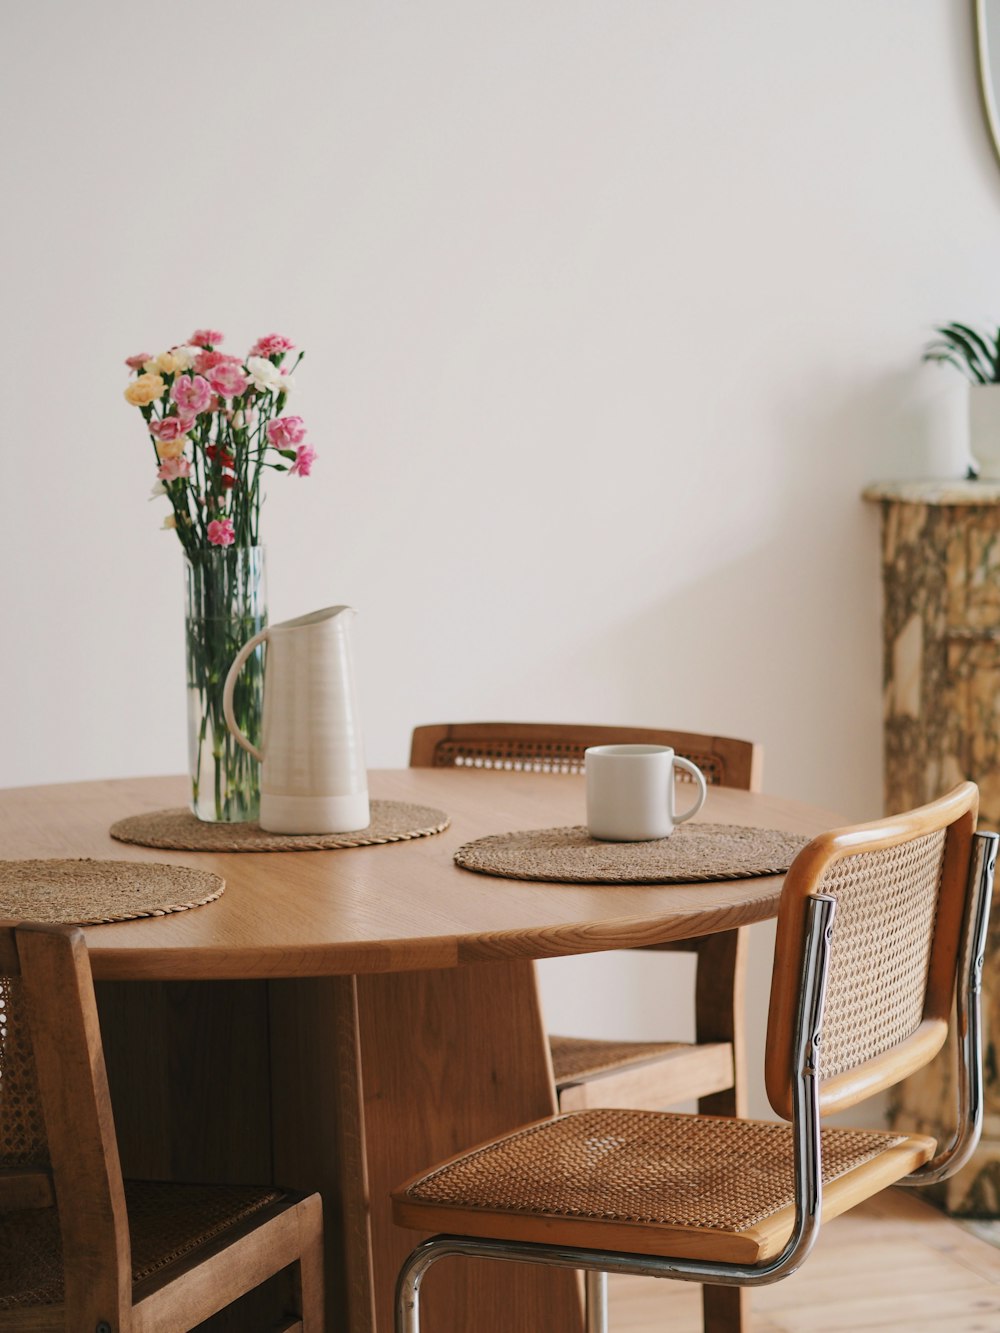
(313, 777)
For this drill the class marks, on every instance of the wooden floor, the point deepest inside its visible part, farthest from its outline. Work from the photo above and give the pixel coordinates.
(893, 1264)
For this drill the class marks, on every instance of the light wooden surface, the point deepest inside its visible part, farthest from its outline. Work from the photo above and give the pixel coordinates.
(894, 1265)
(388, 908)
(371, 1071)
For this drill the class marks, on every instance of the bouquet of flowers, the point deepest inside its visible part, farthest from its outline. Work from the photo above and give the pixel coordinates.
(216, 422)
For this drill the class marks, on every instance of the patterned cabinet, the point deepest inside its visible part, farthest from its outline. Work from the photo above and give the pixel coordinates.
(941, 701)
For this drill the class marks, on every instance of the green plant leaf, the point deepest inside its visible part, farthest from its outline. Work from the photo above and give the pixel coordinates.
(943, 354)
(978, 340)
(956, 337)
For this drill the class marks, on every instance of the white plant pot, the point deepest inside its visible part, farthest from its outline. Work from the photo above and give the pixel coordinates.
(984, 429)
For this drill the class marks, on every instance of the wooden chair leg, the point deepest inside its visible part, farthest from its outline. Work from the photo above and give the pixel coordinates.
(309, 1276)
(719, 1017)
(719, 986)
(725, 1309)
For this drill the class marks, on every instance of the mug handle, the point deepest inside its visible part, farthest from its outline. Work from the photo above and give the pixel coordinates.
(230, 685)
(699, 778)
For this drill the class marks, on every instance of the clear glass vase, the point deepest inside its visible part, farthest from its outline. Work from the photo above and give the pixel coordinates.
(226, 606)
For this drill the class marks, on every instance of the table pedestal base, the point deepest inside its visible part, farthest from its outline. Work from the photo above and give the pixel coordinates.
(349, 1086)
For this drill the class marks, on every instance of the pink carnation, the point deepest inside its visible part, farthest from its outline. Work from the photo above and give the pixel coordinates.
(304, 456)
(272, 344)
(191, 395)
(227, 380)
(137, 362)
(206, 361)
(172, 468)
(220, 532)
(169, 429)
(286, 432)
(205, 338)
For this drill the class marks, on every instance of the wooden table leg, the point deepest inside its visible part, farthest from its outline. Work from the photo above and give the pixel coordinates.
(450, 1058)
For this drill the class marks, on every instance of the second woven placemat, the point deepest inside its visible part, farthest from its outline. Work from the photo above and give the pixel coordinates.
(694, 853)
(91, 893)
(181, 831)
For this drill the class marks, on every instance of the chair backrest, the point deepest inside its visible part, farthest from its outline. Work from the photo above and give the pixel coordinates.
(902, 886)
(554, 747)
(56, 1125)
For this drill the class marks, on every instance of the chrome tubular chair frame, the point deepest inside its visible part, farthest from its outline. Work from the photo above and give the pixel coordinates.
(969, 1017)
(805, 1125)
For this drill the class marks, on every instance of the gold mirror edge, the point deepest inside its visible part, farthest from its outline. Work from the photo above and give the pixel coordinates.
(985, 79)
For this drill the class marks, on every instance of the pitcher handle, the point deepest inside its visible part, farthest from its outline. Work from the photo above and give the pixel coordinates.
(699, 778)
(230, 685)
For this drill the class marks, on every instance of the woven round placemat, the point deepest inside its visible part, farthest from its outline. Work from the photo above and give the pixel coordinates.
(180, 830)
(92, 893)
(692, 854)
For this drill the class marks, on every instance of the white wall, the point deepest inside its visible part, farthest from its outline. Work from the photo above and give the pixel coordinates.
(611, 309)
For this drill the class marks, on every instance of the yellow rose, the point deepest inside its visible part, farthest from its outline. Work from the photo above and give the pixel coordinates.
(145, 390)
(170, 448)
(169, 522)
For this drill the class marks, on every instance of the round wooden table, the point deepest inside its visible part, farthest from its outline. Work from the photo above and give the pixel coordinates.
(341, 1042)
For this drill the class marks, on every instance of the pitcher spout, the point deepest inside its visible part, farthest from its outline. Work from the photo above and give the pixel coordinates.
(318, 618)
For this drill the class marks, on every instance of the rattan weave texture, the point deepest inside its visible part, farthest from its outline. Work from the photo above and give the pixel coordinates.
(694, 853)
(179, 830)
(89, 893)
(22, 1126)
(539, 755)
(644, 1167)
(583, 1057)
(166, 1223)
(882, 933)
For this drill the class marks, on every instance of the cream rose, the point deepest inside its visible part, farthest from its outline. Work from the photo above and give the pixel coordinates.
(145, 390)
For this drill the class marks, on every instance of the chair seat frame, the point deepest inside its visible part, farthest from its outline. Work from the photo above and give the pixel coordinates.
(805, 1132)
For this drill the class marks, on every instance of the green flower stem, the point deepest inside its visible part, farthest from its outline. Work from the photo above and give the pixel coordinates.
(226, 607)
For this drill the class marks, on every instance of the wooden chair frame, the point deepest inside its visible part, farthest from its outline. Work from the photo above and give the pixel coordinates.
(85, 1180)
(805, 935)
(732, 763)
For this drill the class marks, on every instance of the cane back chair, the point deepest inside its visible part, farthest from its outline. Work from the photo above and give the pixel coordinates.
(880, 928)
(627, 1074)
(80, 1249)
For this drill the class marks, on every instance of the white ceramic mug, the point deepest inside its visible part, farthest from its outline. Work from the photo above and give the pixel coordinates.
(630, 791)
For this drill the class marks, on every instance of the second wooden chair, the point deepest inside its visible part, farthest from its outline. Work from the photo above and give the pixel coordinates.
(630, 1074)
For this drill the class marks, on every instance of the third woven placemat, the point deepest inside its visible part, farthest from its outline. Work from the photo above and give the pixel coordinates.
(89, 893)
(694, 853)
(181, 831)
